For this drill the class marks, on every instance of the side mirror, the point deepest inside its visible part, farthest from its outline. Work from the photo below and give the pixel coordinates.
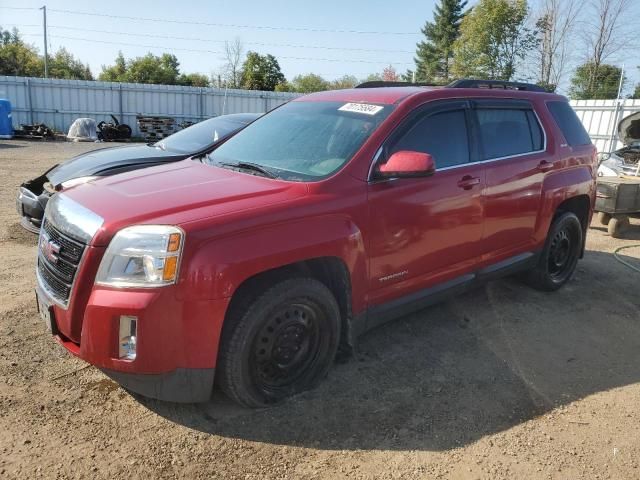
(406, 163)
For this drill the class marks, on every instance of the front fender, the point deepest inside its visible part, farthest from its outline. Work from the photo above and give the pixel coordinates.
(218, 266)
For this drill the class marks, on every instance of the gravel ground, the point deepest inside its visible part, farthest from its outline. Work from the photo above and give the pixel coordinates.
(501, 383)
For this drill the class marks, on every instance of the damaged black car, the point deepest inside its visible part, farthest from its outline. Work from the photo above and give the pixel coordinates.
(193, 141)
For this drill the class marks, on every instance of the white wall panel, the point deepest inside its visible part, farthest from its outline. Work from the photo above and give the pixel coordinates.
(601, 118)
(59, 102)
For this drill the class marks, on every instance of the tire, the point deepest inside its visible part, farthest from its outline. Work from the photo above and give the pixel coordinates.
(618, 226)
(559, 256)
(604, 218)
(281, 343)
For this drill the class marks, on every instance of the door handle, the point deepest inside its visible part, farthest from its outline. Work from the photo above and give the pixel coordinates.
(545, 166)
(468, 182)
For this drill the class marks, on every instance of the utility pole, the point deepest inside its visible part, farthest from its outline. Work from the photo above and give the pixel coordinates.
(46, 57)
(619, 107)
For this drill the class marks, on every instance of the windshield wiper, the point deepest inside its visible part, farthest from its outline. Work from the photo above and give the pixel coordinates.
(254, 167)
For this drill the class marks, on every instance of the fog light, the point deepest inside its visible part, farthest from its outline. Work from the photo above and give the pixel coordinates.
(127, 343)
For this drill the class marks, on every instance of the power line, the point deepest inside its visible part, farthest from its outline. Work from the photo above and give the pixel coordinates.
(228, 25)
(170, 37)
(220, 52)
(19, 8)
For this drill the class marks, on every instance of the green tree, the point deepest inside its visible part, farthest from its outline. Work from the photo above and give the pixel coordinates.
(435, 52)
(309, 83)
(284, 87)
(193, 80)
(17, 57)
(605, 86)
(346, 81)
(494, 38)
(261, 72)
(636, 92)
(163, 69)
(64, 65)
(408, 76)
(115, 72)
(372, 77)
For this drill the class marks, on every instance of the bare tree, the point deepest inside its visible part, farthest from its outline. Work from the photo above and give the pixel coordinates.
(555, 25)
(233, 63)
(606, 32)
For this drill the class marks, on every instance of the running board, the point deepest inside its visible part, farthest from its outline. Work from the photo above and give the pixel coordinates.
(380, 314)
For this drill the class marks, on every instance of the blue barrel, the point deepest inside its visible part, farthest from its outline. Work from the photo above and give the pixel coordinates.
(6, 127)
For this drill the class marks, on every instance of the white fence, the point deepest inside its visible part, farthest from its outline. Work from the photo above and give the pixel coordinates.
(58, 103)
(601, 117)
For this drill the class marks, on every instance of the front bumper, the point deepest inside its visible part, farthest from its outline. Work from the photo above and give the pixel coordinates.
(176, 347)
(183, 385)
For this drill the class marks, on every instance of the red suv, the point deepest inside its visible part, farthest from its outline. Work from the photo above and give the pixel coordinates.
(326, 217)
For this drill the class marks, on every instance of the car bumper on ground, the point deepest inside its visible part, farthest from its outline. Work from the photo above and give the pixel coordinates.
(31, 207)
(176, 340)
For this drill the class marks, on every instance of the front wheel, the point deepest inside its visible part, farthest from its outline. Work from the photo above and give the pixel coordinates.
(283, 342)
(560, 255)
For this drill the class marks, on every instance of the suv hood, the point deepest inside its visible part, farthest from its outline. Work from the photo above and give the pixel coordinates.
(629, 129)
(98, 161)
(176, 194)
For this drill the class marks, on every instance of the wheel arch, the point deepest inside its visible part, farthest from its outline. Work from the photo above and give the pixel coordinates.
(330, 271)
(580, 206)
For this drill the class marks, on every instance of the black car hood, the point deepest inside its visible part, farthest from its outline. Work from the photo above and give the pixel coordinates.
(100, 161)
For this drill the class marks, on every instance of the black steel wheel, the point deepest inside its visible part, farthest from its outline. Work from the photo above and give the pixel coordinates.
(560, 255)
(283, 342)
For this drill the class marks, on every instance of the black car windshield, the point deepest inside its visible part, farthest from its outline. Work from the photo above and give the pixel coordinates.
(201, 135)
(303, 140)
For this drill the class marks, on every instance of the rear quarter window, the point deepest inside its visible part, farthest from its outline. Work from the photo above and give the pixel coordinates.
(569, 123)
(505, 131)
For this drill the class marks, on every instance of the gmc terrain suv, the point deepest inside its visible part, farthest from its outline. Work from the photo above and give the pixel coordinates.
(324, 218)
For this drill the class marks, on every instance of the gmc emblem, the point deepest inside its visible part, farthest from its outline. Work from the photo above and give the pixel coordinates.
(49, 249)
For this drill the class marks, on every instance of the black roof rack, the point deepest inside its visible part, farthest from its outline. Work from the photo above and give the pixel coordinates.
(475, 83)
(382, 83)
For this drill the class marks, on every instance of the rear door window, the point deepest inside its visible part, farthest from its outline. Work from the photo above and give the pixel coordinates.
(443, 135)
(505, 132)
(569, 123)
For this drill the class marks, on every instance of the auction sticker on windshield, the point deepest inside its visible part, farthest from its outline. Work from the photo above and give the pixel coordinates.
(365, 108)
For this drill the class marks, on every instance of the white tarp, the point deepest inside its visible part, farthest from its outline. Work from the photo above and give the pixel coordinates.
(83, 130)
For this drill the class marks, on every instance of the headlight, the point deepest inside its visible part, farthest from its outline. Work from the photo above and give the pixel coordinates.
(142, 256)
(77, 181)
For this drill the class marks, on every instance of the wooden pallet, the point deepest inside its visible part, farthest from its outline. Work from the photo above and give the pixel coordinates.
(155, 128)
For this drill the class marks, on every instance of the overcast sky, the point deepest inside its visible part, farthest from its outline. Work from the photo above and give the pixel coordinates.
(332, 38)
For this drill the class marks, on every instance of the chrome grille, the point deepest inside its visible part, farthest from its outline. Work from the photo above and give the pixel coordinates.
(58, 259)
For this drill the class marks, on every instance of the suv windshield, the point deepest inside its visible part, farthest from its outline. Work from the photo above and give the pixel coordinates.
(303, 140)
(201, 135)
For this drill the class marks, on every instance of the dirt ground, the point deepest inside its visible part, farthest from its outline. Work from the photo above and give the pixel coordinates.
(501, 383)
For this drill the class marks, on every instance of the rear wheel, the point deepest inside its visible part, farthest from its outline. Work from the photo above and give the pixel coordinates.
(283, 342)
(560, 255)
